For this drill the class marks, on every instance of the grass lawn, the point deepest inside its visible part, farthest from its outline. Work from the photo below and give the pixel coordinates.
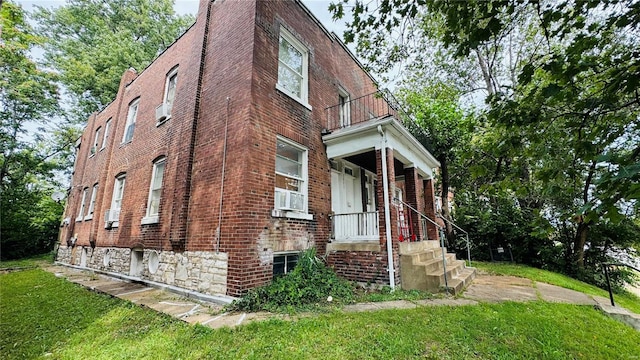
(625, 299)
(49, 317)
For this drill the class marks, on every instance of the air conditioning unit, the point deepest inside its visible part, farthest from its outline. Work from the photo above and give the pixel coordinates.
(162, 112)
(289, 200)
(93, 150)
(111, 216)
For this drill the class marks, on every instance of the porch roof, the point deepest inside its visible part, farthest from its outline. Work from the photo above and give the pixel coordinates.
(365, 136)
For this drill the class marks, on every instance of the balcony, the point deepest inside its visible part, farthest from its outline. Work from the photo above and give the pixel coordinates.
(349, 112)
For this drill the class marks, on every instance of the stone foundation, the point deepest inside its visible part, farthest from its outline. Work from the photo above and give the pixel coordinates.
(202, 271)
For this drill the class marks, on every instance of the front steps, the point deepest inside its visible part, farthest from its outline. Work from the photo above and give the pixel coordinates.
(421, 268)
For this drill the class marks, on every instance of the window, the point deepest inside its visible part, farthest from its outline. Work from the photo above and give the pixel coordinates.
(155, 191)
(107, 127)
(131, 121)
(344, 108)
(170, 90)
(293, 63)
(82, 203)
(284, 263)
(92, 203)
(94, 148)
(291, 177)
(116, 202)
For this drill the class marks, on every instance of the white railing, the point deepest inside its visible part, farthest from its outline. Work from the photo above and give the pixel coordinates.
(356, 226)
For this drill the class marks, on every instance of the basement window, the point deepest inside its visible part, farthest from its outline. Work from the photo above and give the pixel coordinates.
(284, 263)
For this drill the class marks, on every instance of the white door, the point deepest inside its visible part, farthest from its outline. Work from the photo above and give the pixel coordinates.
(351, 191)
(336, 191)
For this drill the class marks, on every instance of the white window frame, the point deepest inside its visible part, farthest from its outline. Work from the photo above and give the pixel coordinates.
(117, 198)
(149, 217)
(131, 120)
(82, 203)
(304, 86)
(171, 74)
(96, 139)
(344, 110)
(304, 185)
(92, 203)
(105, 137)
(286, 255)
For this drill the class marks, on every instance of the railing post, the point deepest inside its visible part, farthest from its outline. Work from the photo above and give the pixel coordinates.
(606, 275)
(468, 251)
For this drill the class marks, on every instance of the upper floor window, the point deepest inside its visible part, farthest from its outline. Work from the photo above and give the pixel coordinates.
(155, 191)
(113, 215)
(163, 111)
(293, 64)
(96, 139)
(92, 203)
(291, 177)
(344, 108)
(107, 127)
(82, 204)
(131, 121)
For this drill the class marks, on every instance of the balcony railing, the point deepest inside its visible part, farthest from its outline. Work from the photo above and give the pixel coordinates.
(364, 108)
(356, 226)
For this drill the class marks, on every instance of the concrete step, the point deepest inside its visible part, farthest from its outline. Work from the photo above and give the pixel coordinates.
(407, 247)
(453, 269)
(462, 280)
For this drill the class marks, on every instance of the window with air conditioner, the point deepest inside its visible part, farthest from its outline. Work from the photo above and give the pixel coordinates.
(293, 64)
(82, 204)
(96, 139)
(291, 177)
(92, 203)
(105, 137)
(155, 192)
(131, 121)
(112, 217)
(163, 111)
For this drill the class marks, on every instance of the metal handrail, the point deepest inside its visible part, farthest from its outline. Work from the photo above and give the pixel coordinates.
(466, 234)
(606, 274)
(444, 258)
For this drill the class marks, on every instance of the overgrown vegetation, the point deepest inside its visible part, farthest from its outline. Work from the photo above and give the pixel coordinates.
(309, 284)
(45, 316)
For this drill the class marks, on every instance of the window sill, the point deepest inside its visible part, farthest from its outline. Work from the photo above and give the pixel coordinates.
(88, 217)
(294, 97)
(79, 218)
(114, 225)
(125, 143)
(149, 220)
(276, 213)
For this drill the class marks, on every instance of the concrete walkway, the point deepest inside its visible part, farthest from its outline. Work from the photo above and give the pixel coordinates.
(485, 288)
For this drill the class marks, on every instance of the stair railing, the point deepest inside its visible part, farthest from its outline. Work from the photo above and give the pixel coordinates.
(444, 258)
(606, 274)
(465, 233)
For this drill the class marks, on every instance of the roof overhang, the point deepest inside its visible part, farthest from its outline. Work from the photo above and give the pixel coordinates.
(372, 134)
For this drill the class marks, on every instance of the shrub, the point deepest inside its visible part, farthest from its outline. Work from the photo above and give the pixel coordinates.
(310, 283)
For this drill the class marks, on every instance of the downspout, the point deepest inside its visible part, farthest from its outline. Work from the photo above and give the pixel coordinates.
(387, 214)
(224, 163)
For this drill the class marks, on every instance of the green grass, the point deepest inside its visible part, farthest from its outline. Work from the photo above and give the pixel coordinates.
(625, 299)
(45, 316)
(27, 262)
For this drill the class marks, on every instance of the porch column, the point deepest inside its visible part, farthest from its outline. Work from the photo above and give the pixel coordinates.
(413, 190)
(430, 209)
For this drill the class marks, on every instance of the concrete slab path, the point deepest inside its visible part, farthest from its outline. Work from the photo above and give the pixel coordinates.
(485, 288)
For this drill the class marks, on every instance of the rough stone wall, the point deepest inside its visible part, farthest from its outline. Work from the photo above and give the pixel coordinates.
(202, 271)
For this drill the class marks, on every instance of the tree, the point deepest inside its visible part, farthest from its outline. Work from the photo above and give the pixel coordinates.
(441, 126)
(28, 98)
(562, 126)
(92, 42)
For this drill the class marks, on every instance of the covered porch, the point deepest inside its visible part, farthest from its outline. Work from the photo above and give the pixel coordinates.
(375, 162)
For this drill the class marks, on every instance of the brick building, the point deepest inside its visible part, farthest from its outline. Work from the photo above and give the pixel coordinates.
(255, 135)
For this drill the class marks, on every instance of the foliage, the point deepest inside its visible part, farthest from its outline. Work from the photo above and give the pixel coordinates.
(43, 315)
(92, 42)
(558, 136)
(622, 298)
(310, 283)
(28, 159)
